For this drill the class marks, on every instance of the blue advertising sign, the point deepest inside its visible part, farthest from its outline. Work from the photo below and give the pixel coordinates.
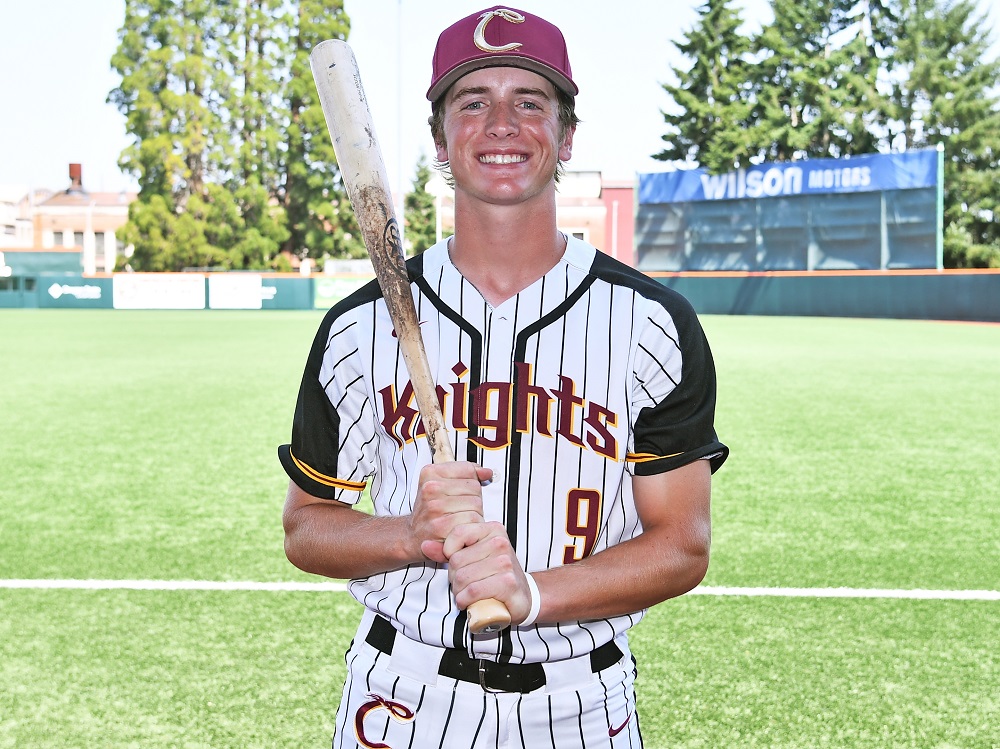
(868, 173)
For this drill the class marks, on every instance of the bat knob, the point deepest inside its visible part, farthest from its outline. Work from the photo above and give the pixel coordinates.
(488, 615)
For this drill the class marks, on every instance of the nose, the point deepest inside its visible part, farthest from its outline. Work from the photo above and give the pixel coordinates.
(503, 120)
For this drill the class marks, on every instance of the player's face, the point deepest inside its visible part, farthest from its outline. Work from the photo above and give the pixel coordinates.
(502, 135)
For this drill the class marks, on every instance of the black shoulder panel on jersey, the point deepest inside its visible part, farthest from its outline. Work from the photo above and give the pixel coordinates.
(415, 266)
(614, 271)
(309, 460)
(681, 427)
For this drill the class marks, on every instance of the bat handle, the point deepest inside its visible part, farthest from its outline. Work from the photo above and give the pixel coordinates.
(488, 615)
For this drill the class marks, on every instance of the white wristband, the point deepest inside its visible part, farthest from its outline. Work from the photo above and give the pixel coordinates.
(536, 602)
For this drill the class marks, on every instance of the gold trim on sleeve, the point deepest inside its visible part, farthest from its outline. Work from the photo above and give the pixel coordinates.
(322, 478)
(647, 457)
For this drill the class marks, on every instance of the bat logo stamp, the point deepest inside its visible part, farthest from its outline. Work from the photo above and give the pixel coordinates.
(394, 246)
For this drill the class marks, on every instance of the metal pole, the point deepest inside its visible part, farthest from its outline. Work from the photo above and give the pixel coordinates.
(940, 207)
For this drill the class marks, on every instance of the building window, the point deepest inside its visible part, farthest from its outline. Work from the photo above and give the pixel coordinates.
(100, 252)
(78, 239)
(582, 233)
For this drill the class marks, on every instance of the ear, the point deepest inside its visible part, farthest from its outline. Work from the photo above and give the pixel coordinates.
(441, 151)
(566, 147)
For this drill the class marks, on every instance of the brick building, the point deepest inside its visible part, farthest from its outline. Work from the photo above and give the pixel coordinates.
(589, 207)
(85, 220)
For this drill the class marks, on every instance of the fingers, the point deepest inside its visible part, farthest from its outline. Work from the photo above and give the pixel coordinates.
(449, 495)
(448, 524)
(478, 541)
(455, 486)
(482, 564)
(484, 475)
(434, 550)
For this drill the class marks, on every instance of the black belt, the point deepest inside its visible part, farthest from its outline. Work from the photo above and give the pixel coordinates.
(490, 675)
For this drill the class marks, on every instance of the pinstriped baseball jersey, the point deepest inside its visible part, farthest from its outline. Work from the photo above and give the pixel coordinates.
(590, 375)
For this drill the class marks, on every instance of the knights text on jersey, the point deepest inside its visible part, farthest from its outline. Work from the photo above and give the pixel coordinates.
(590, 375)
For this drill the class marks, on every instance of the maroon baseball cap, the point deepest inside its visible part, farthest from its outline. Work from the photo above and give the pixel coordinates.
(501, 37)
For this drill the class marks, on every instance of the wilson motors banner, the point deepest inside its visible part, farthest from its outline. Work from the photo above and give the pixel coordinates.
(868, 173)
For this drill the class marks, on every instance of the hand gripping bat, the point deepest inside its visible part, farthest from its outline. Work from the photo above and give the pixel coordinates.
(345, 107)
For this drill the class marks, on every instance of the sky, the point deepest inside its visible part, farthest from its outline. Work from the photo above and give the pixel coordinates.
(55, 76)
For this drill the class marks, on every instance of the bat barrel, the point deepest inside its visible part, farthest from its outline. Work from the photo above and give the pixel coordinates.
(348, 117)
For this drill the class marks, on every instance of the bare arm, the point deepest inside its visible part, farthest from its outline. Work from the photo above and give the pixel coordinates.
(333, 539)
(668, 559)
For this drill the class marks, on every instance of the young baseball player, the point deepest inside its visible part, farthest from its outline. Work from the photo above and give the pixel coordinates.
(580, 399)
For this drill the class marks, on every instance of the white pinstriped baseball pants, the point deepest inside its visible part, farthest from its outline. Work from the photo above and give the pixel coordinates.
(399, 701)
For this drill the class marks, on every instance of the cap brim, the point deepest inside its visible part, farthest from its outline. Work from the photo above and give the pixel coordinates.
(502, 61)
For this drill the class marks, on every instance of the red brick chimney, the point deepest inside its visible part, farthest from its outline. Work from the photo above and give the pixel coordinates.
(75, 178)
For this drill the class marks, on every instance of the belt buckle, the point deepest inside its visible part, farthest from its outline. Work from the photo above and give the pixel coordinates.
(481, 667)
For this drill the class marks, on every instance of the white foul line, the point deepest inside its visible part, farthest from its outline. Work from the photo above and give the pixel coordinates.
(339, 587)
(917, 594)
(171, 585)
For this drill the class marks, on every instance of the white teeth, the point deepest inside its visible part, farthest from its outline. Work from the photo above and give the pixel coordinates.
(502, 158)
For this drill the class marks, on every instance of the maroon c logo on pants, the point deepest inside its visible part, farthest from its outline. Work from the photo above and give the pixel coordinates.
(398, 712)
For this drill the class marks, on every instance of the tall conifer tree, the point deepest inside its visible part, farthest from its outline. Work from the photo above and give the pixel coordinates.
(420, 211)
(709, 122)
(944, 92)
(229, 144)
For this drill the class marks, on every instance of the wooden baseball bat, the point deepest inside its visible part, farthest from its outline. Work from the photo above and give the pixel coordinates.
(359, 157)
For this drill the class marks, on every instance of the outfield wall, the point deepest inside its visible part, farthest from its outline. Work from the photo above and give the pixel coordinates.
(863, 212)
(972, 295)
(184, 291)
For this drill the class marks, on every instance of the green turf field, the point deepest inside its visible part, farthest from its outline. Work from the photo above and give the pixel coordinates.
(141, 445)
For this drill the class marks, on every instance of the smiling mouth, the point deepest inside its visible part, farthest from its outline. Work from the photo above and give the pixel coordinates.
(502, 158)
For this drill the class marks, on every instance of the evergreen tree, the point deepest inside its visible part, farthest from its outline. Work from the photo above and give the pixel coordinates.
(320, 219)
(711, 96)
(151, 96)
(944, 92)
(230, 147)
(814, 81)
(163, 60)
(419, 211)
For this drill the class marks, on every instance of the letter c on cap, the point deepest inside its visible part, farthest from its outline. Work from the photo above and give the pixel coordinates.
(480, 36)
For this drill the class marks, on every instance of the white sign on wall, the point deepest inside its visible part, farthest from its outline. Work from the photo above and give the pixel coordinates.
(235, 291)
(158, 291)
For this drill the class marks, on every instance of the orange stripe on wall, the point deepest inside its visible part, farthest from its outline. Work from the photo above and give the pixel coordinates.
(823, 273)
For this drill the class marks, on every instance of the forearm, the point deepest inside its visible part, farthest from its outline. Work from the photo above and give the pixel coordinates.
(623, 579)
(333, 539)
(344, 543)
(669, 557)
